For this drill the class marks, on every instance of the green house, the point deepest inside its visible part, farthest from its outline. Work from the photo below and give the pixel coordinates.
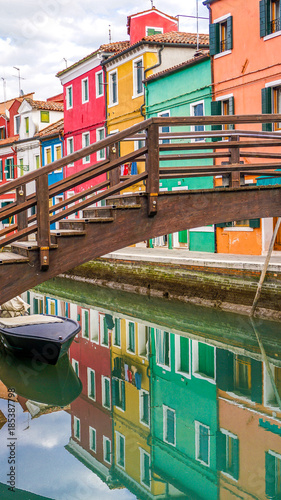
(184, 90)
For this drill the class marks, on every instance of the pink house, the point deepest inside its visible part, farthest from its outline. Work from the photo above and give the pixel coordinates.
(150, 22)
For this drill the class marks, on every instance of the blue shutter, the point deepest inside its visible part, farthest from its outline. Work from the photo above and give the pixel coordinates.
(269, 475)
(229, 36)
(214, 30)
(266, 105)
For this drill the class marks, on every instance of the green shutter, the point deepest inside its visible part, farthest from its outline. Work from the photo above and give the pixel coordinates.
(221, 224)
(256, 380)
(1, 170)
(204, 443)
(182, 236)
(221, 451)
(263, 18)
(231, 111)
(266, 106)
(123, 398)
(206, 354)
(269, 475)
(170, 426)
(105, 330)
(184, 354)
(216, 111)
(86, 319)
(114, 382)
(235, 451)
(35, 306)
(224, 369)
(255, 223)
(214, 39)
(229, 37)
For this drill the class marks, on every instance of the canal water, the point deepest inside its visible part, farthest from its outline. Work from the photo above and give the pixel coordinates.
(156, 399)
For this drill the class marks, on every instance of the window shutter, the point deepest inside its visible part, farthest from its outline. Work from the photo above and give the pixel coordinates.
(224, 369)
(235, 449)
(214, 39)
(221, 451)
(229, 37)
(86, 317)
(221, 224)
(263, 18)
(231, 111)
(269, 475)
(256, 379)
(266, 106)
(254, 223)
(1, 170)
(216, 111)
(123, 399)
(114, 382)
(170, 426)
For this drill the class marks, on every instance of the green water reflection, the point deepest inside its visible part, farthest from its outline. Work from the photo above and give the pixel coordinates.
(177, 402)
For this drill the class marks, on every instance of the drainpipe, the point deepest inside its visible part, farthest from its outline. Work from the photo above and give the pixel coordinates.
(145, 72)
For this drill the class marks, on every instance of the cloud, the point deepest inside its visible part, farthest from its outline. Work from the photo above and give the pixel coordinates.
(36, 36)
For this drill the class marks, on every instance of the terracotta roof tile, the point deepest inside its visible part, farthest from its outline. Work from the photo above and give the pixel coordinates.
(54, 128)
(204, 54)
(7, 104)
(8, 140)
(51, 106)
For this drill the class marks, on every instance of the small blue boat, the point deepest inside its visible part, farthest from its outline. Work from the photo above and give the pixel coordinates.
(44, 338)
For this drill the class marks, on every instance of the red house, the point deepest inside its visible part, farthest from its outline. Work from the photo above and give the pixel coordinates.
(149, 22)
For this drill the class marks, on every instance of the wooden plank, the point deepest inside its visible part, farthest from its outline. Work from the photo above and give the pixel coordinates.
(43, 220)
(152, 168)
(220, 145)
(114, 175)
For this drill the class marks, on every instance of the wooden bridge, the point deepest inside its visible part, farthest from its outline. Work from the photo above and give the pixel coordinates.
(31, 252)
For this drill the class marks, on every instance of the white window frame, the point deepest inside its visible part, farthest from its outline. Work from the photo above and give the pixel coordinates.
(56, 146)
(101, 331)
(177, 357)
(85, 135)
(128, 338)
(153, 28)
(84, 86)
(110, 74)
(97, 84)
(89, 371)
(83, 323)
(75, 421)
(141, 406)
(67, 94)
(100, 156)
(10, 170)
(117, 436)
(233, 436)
(167, 112)
(220, 20)
(17, 130)
(135, 77)
(165, 408)
(192, 128)
(103, 379)
(104, 441)
(94, 326)
(92, 445)
(49, 148)
(195, 363)
(165, 367)
(142, 454)
(69, 146)
(197, 442)
(113, 339)
(74, 364)
(142, 335)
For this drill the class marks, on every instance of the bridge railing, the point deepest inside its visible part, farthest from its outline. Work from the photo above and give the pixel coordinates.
(181, 141)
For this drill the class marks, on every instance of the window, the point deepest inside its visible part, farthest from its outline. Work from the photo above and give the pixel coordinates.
(113, 88)
(106, 400)
(85, 90)
(118, 393)
(45, 116)
(70, 148)
(131, 337)
(38, 305)
(228, 453)
(100, 137)
(269, 392)
(182, 345)
(85, 143)
(271, 103)
(202, 443)
(75, 366)
(99, 84)
(94, 325)
(76, 428)
(1, 170)
(162, 340)
(143, 342)
(69, 97)
(165, 129)
(104, 334)
(169, 425)
(153, 31)
(91, 376)
(9, 168)
(117, 332)
(26, 121)
(106, 450)
(269, 17)
(37, 162)
(197, 109)
(138, 76)
(145, 475)
(48, 156)
(203, 361)
(223, 107)
(85, 323)
(16, 124)
(144, 407)
(221, 36)
(2, 133)
(58, 152)
(272, 474)
(9, 220)
(242, 375)
(93, 439)
(120, 450)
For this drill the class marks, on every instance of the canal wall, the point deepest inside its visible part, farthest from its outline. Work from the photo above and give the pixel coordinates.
(213, 281)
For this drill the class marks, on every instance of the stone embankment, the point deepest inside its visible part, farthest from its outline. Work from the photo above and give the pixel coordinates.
(223, 281)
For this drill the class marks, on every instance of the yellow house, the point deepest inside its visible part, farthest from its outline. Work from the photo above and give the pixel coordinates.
(126, 70)
(131, 407)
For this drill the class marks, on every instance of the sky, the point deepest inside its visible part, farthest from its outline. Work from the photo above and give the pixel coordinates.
(39, 37)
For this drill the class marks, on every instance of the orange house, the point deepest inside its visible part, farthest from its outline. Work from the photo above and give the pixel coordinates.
(245, 41)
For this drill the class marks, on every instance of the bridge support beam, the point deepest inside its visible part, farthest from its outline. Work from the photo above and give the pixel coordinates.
(43, 221)
(152, 168)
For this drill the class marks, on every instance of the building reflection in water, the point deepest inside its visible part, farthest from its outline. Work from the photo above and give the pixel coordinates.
(169, 413)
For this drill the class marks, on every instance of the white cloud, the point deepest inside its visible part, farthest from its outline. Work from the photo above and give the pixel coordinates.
(36, 36)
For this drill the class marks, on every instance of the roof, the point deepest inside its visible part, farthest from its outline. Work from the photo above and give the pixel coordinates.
(7, 104)
(50, 105)
(8, 140)
(169, 38)
(153, 9)
(202, 56)
(53, 129)
(106, 47)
